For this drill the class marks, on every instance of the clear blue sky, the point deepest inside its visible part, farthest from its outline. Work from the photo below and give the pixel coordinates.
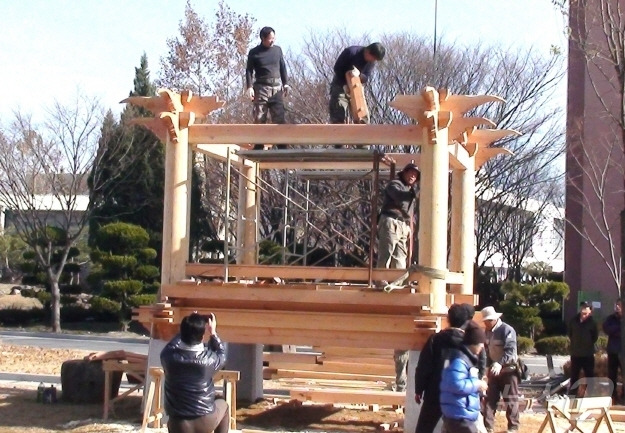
(51, 48)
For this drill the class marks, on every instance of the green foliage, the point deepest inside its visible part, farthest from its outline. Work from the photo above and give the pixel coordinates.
(147, 255)
(146, 272)
(269, 252)
(44, 297)
(558, 345)
(524, 345)
(118, 265)
(120, 238)
(144, 299)
(21, 317)
(67, 300)
(602, 343)
(123, 272)
(525, 305)
(100, 304)
(72, 313)
(136, 197)
(71, 289)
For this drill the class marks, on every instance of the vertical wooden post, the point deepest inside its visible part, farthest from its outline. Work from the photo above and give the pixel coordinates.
(176, 206)
(246, 233)
(463, 226)
(433, 210)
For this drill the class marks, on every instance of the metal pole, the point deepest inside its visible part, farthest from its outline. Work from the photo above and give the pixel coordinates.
(306, 210)
(374, 213)
(286, 216)
(227, 219)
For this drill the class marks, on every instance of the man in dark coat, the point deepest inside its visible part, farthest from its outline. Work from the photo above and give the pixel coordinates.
(189, 367)
(612, 328)
(430, 367)
(583, 333)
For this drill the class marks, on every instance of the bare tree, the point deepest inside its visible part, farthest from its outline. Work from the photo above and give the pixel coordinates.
(43, 178)
(524, 79)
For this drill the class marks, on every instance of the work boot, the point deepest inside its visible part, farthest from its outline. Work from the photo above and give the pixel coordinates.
(259, 147)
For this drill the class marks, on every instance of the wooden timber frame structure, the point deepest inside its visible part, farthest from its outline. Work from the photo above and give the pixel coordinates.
(311, 313)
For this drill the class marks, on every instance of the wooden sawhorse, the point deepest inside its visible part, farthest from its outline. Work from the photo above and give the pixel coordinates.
(154, 411)
(573, 410)
(131, 368)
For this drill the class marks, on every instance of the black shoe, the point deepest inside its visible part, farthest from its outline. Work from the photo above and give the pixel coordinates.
(259, 147)
(338, 146)
(281, 146)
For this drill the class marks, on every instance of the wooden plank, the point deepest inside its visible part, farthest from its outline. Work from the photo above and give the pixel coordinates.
(386, 398)
(339, 367)
(390, 135)
(388, 360)
(353, 351)
(357, 101)
(283, 373)
(306, 358)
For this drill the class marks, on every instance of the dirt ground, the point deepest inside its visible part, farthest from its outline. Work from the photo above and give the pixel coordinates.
(19, 411)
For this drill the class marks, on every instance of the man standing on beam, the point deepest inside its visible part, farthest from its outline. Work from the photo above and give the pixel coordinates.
(265, 64)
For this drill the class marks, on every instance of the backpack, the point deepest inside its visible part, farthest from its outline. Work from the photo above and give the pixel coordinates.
(522, 370)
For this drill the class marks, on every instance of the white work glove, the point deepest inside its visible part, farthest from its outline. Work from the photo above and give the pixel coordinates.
(249, 92)
(355, 72)
(495, 369)
(286, 89)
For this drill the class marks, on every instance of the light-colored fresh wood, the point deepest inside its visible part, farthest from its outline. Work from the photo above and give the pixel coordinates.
(386, 398)
(357, 101)
(390, 135)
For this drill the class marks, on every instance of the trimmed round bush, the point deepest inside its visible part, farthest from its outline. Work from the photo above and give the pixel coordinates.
(602, 343)
(104, 305)
(144, 299)
(553, 345)
(146, 273)
(524, 345)
(118, 238)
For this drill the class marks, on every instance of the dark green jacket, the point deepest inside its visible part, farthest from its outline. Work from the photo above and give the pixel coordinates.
(583, 336)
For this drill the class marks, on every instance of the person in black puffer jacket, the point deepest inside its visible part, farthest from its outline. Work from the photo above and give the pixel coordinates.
(430, 367)
(189, 367)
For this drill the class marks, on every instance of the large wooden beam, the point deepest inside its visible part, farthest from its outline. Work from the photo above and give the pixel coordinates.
(286, 299)
(390, 135)
(304, 272)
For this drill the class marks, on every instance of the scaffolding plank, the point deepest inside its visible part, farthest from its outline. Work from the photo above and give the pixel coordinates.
(386, 398)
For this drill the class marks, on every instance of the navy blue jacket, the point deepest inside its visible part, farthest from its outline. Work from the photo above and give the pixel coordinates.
(351, 57)
(612, 328)
(189, 388)
(460, 398)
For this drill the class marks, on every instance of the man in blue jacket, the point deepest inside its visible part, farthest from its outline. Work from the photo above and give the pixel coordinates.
(460, 385)
(189, 368)
(612, 328)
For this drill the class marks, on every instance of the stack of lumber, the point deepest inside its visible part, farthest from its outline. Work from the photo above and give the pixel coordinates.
(336, 375)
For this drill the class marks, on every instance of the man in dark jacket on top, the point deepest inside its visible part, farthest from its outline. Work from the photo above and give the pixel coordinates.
(359, 61)
(612, 328)
(430, 367)
(189, 367)
(583, 333)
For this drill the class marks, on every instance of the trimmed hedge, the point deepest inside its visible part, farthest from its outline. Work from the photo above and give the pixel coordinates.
(524, 345)
(553, 346)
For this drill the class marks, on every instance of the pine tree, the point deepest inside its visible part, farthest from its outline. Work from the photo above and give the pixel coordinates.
(137, 197)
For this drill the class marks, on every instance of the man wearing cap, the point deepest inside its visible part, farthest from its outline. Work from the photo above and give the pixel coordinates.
(583, 333)
(460, 385)
(401, 198)
(266, 63)
(503, 379)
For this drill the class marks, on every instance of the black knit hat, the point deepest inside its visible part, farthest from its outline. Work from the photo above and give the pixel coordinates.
(474, 334)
